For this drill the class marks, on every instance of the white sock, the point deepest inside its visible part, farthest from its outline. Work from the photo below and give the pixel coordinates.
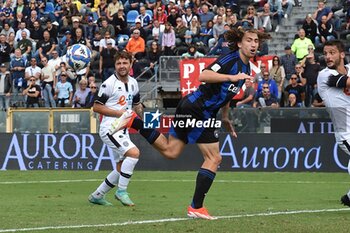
(110, 182)
(126, 171)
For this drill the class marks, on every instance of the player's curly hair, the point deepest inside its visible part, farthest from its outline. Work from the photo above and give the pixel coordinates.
(235, 35)
(123, 54)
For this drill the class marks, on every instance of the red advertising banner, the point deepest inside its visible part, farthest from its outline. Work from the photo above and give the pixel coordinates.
(191, 68)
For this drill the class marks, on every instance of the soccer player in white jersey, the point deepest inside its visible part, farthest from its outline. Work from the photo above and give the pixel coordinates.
(333, 85)
(118, 93)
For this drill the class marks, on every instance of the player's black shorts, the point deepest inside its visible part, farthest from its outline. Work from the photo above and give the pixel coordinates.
(193, 124)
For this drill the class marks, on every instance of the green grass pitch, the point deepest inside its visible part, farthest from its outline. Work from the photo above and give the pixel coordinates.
(56, 201)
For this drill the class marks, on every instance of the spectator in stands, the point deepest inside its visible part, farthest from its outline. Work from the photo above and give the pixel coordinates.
(25, 45)
(6, 13)
(317, 101)
(71, 77)
(172, 17)
(160, 15)
(296, 89)
(90, 98)
(233, 22)
(326, 32)
(137, 26)
(218, 29)
(48, 83)
(69, 11)
(268, 80)
(105, 26)
(322, 10)
(132, 5)
(30, 20)
(36, 34)
(221, 46)
(45, 47)
(180, 32)
(207, 32)
(157, 32)
(119, 21)
(21, 8)
(52, 29)
(55, 60)
(17, 67)
(80, 95)
(310, 28)
(103, 41)
(102, 10)
(192, 33)
(192, 52)
(299, 70)
(58, 11)
(292, 101)
(95, 46)
(168, 40)
(91, 79)
(300, 45)
(22, 28)
(12, 42)
(80, 39)
(288, 6)
(205, 15)
(65, 42)
(259, 75)
(63, 91)
(5, 50)
(188, 17)
(221, 11)
(136, 45)
(250, 20)
(248, 96)
(288, 61)
(5, 87)
(146, 20)
(106, 65)
(265, 19)
(263, 49)
(153, 55)
(75, 26)
(310, 73)
(33, 71)
(265, 98)
(33, 6)
(277, 11)
(278, 74)
(32, 93)
(113, 7)
(7, 29)
(18, 19)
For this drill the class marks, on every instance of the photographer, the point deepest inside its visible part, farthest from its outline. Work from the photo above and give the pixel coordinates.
(32, 93)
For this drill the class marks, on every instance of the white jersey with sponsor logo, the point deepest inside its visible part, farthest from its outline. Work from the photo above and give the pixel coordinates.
(337, 101)
(117, 95)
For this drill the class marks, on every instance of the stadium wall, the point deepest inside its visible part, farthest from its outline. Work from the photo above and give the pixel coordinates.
(249, 152)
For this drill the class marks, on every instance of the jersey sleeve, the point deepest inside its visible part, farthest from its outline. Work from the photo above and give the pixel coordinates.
(220, 66)
(103, 94)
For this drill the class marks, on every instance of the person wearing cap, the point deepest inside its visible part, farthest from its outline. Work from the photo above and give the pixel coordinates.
(5, 87)
(76, 25)
(65, 42)
(288, 61)
(136, 45)
(138, 26)
(63, 91)
(106, 64)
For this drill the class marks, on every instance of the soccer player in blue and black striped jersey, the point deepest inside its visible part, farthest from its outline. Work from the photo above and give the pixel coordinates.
(195, 116)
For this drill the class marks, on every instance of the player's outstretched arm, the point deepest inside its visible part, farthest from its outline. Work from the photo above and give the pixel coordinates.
(210, 76)
(102, 109)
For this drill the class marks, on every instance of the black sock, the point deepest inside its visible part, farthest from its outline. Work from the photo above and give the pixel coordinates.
(204, 180)
(150, 134)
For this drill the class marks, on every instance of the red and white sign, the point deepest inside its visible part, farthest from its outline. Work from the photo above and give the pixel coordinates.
(191, 68)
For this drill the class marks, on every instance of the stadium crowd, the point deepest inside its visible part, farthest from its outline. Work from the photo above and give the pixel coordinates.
(36, 34)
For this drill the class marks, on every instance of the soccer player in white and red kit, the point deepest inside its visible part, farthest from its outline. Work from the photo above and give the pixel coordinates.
(117, 94)
(333, 85)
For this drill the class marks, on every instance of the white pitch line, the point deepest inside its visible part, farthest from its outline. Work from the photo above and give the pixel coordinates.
(169, 180)
(172, 220)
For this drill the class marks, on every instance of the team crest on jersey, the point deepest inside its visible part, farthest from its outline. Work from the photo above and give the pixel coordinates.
(119, 88)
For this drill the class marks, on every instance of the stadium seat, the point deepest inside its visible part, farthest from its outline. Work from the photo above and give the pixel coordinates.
(150, 12)
(131, 17)
(50, 8)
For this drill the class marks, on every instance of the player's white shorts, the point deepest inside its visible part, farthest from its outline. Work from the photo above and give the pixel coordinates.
(120, 143)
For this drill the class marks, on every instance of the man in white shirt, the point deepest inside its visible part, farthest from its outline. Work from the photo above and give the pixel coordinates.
(55, 61)
(333, 85)
(22, 27)
(33, 70)
(117, 94)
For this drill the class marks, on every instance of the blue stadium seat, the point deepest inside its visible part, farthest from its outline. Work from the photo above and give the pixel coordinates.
(150, 12)
(131, 17)
(49, 8)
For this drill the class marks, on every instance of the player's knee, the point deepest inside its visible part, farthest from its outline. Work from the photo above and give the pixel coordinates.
(216, 159)
(133, 152)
